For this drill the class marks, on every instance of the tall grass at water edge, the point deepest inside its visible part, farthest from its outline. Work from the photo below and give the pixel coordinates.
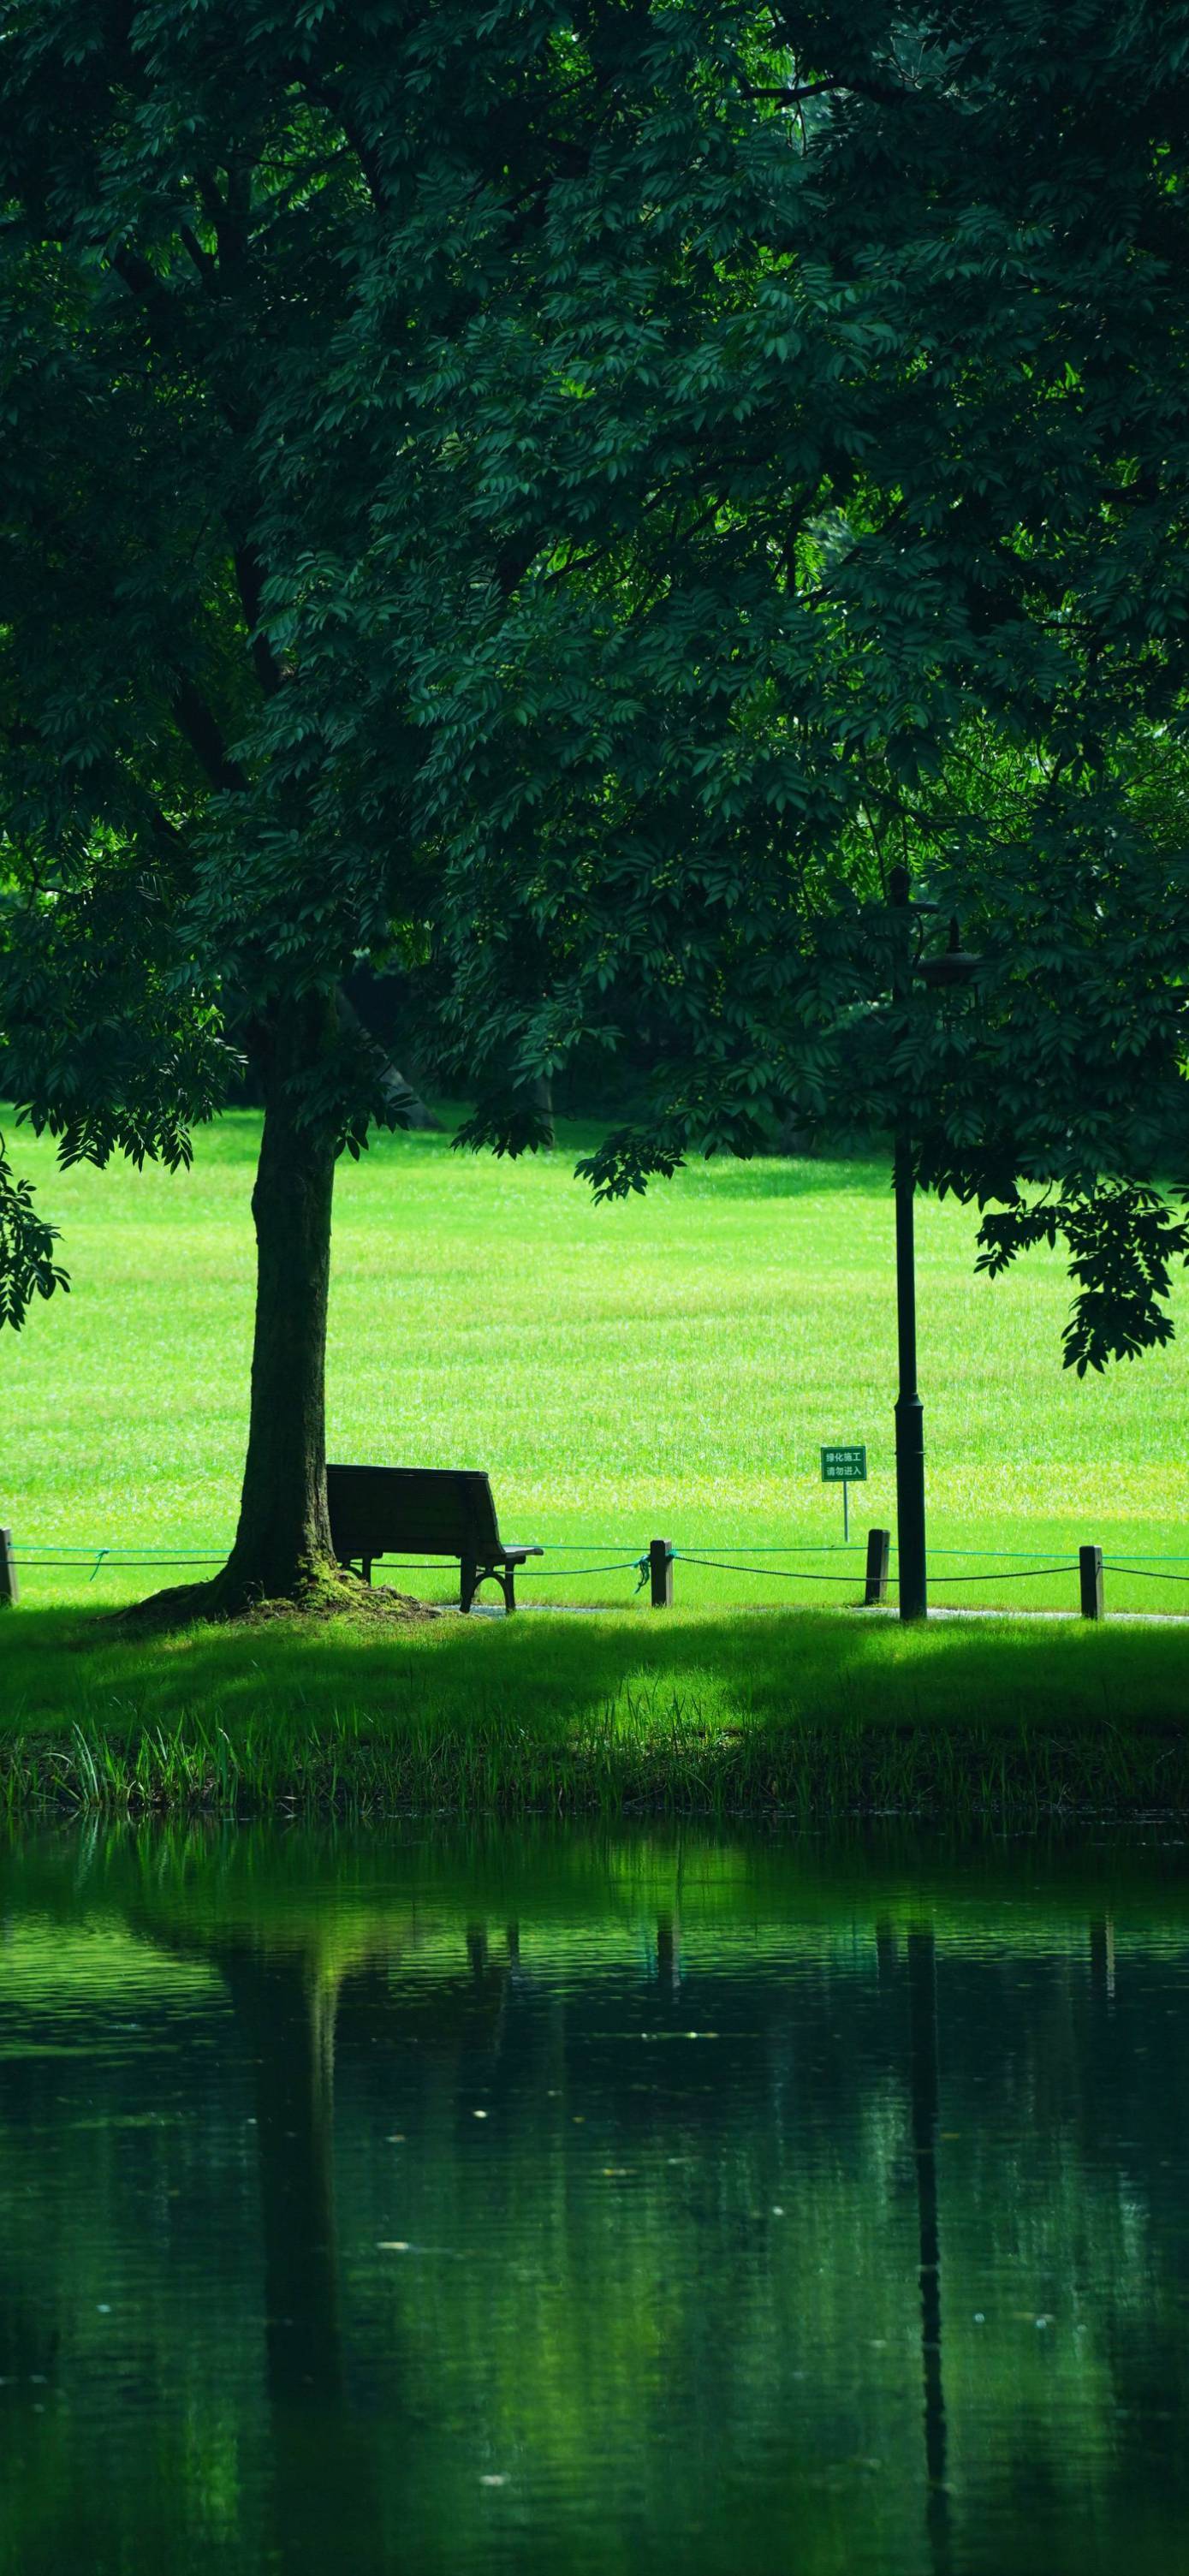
(807, 1711)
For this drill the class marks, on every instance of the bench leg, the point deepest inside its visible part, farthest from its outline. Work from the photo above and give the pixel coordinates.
(473, 1574)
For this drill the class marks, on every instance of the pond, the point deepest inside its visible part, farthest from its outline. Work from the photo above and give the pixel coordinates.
(651, 2201)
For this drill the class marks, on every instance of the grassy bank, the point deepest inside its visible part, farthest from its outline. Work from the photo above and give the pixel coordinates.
(664, 1368)
(821, 1713)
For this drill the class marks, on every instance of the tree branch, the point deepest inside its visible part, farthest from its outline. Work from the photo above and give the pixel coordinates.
(326, 95)
(204, 737)
(204, 260)
(249, 574)
(158, 305)
(145, 286)
(883, 92)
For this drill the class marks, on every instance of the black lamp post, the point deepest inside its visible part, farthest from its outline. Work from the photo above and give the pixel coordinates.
(954, 967)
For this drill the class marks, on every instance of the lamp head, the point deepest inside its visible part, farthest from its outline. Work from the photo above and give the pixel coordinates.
(955, 965)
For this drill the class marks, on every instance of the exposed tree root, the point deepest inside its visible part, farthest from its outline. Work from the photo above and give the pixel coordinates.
(331, 1593)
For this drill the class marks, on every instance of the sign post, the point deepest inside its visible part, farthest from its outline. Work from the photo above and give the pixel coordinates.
(845, 1467)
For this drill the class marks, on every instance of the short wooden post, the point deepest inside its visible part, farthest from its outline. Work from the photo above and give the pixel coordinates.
(660, 1573)
(1090, 1576)
(10, 1590)
(879, 1549)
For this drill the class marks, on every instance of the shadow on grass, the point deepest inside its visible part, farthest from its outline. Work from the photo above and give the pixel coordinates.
(760, 1176)
(708, 1710)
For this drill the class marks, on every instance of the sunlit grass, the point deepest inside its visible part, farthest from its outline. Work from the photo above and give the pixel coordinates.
(665, 1368)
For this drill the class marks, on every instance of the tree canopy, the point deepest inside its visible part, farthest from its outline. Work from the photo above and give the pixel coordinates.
(572, 496)
(904, 582)
(251, 261)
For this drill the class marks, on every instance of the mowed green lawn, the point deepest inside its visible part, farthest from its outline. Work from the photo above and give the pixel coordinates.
(666, 1368)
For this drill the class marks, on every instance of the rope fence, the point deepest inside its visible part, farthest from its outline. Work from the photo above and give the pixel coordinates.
(790, 1574)
(1025, 1574)
(59, 1555)
(1145, 1572)
(654, 1566)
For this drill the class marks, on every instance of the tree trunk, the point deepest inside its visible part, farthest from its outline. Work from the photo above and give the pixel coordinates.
(282, 1543)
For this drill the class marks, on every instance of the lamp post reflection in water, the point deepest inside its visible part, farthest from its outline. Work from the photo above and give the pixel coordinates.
(923, 2092)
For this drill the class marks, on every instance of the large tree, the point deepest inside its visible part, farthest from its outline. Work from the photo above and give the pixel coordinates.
(286, 439)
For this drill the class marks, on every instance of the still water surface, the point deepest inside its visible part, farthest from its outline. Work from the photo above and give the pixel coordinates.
(566, 2202)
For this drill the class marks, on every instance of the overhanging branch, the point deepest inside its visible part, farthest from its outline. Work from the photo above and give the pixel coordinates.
(204, 737)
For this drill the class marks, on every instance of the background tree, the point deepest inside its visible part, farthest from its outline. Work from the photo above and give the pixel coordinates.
(905, 584)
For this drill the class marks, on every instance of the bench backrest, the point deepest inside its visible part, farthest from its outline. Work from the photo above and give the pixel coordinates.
(431, 1511)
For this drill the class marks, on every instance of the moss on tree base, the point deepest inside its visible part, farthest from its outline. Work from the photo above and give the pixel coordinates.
(329, 1593)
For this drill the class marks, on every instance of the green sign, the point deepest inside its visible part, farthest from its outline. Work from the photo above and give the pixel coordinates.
(845, 1466)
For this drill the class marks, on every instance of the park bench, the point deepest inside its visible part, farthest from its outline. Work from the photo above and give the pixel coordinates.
(424, 1511)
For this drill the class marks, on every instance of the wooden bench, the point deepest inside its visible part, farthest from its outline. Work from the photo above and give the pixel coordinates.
(422, 1511)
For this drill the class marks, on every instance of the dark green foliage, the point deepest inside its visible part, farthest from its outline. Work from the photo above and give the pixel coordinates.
(1122, 1244)
(294, 427)
(27, 1265)
(903, 580)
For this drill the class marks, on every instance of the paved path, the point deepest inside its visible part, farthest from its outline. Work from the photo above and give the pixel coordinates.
(885, 1610)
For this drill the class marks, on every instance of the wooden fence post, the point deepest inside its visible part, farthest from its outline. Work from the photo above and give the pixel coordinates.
(10, 1590)
(1090, 1577)
(660, 1573)
(879, 1549)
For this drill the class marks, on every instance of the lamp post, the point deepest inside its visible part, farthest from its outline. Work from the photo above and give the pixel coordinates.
(910, 1412)
(955, 966)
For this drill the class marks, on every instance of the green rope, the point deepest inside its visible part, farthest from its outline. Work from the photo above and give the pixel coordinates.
(1147, 1567)
(76, 1561)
